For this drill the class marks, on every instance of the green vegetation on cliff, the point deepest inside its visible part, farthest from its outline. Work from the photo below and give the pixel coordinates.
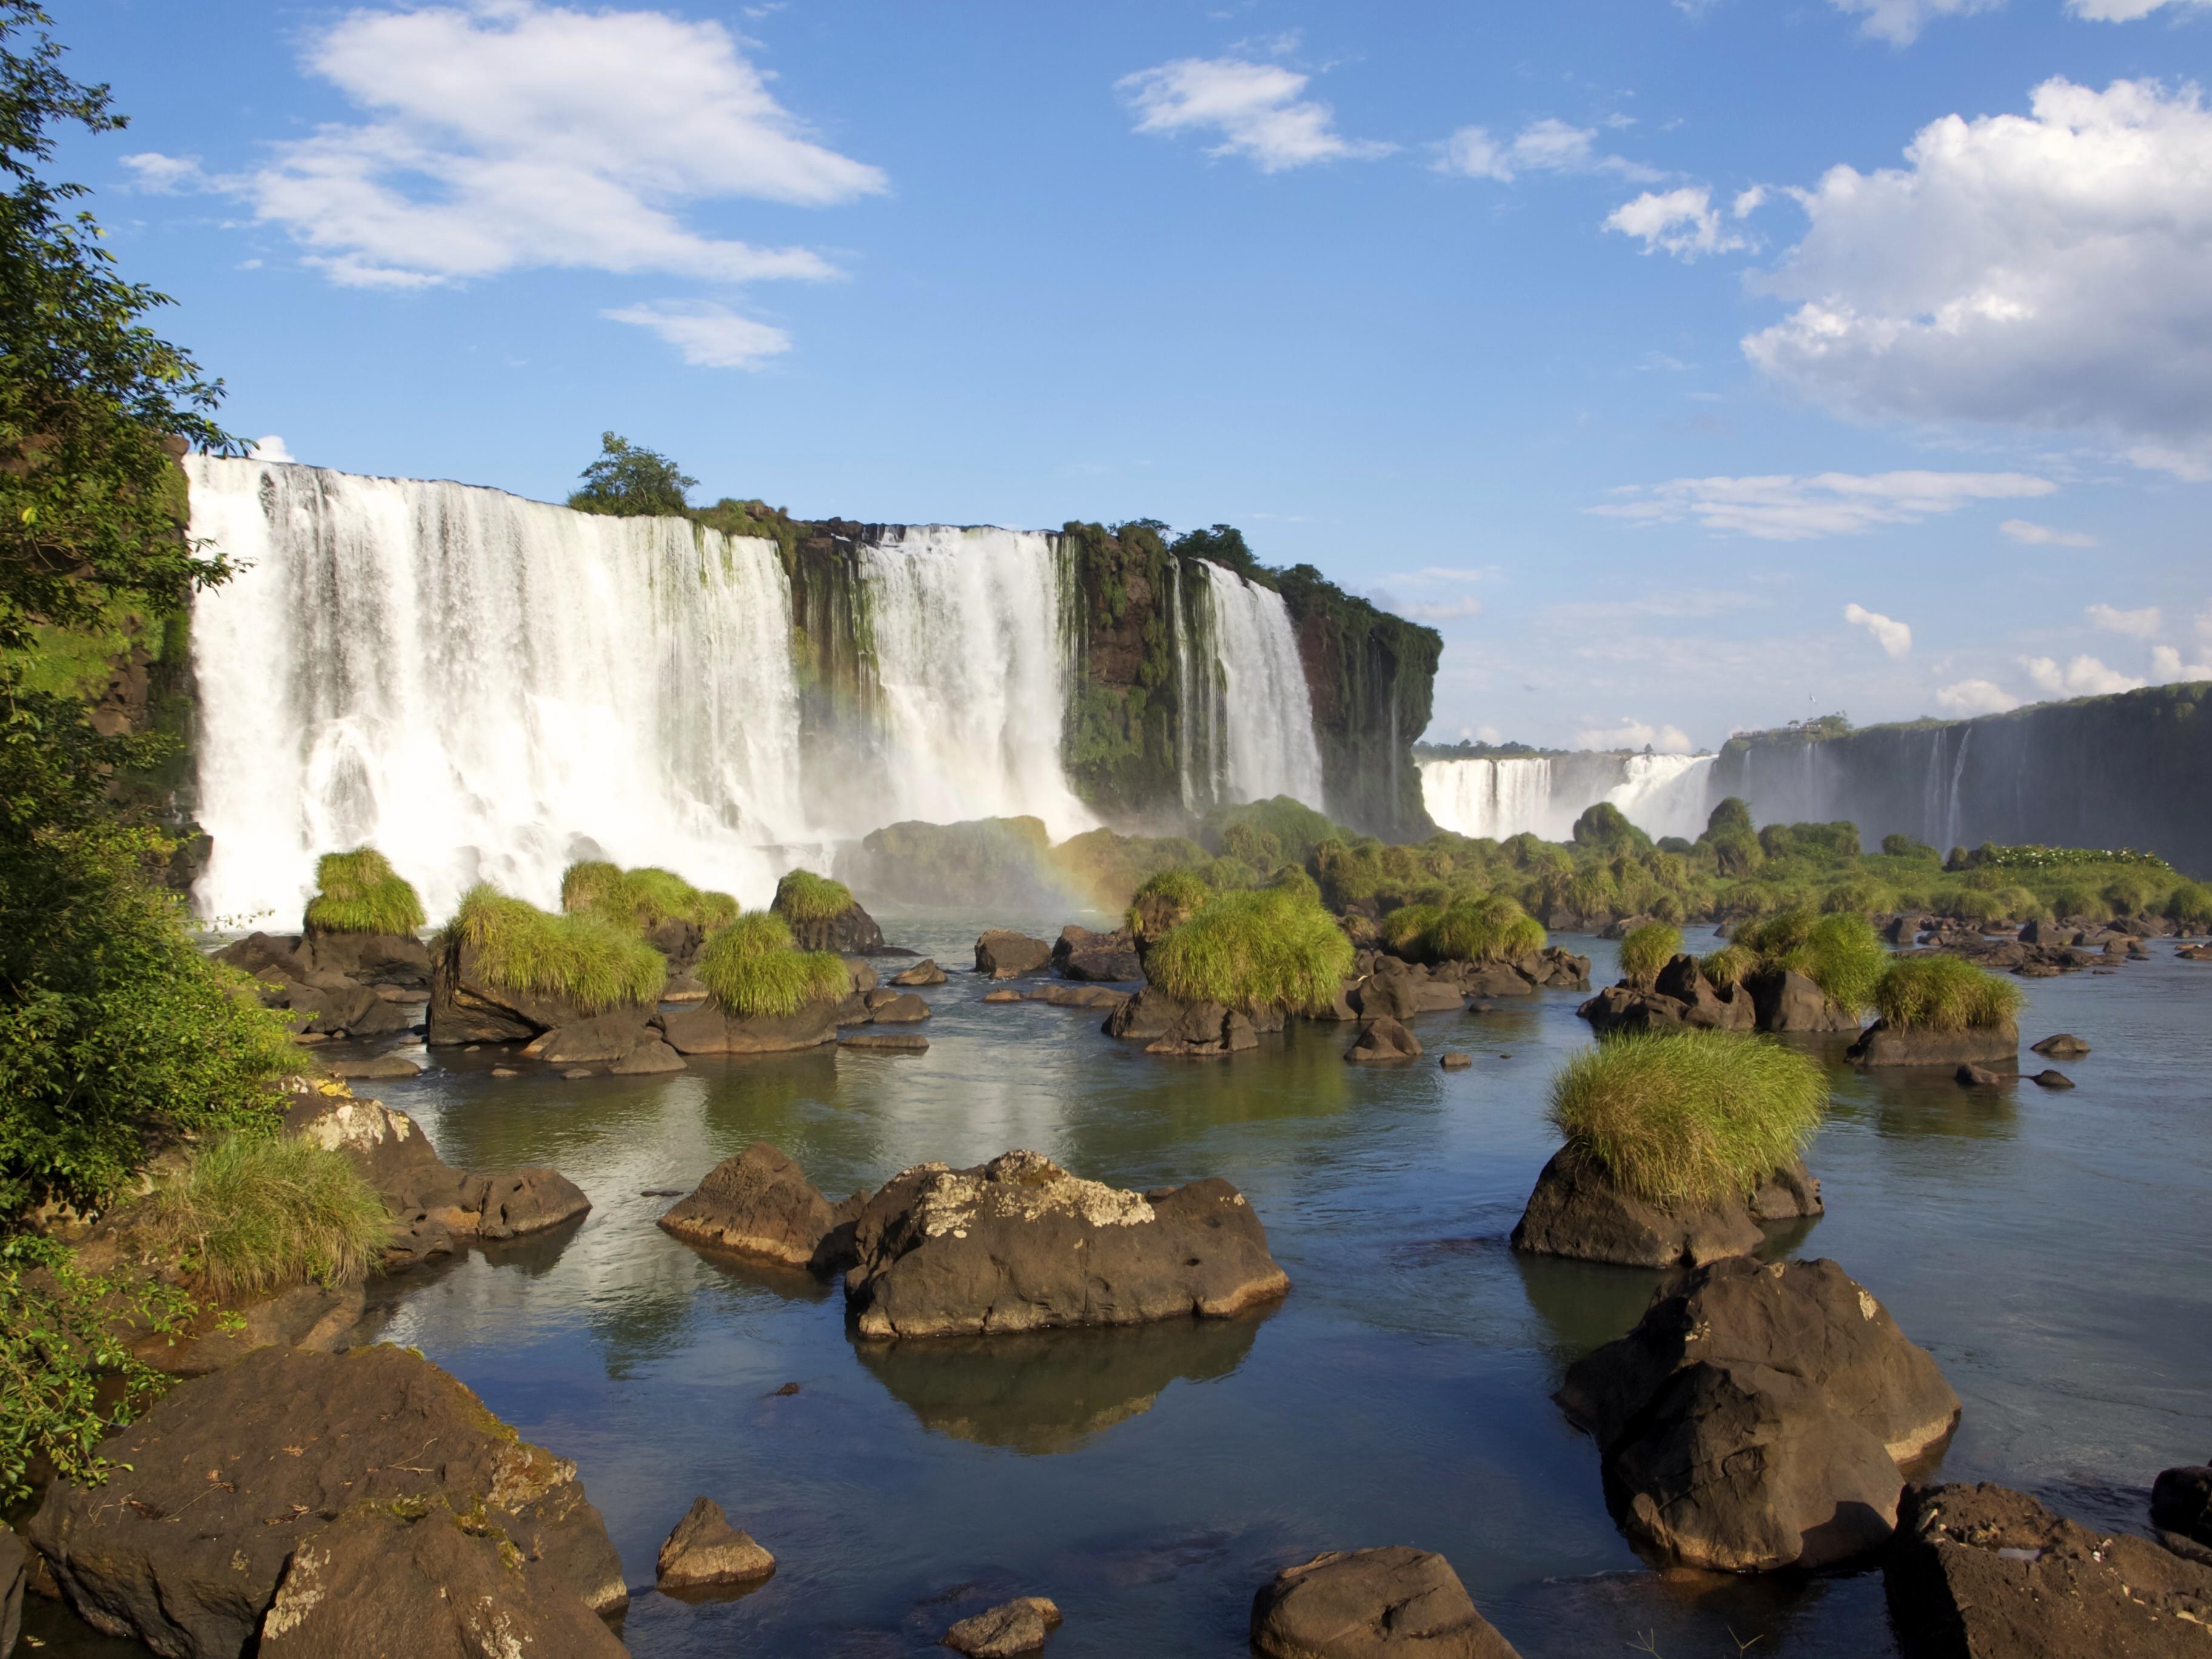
(630, 481)
(752, 970)
(360, 892)
(581, 956)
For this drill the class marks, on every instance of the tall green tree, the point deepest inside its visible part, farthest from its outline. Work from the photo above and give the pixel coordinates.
(632, 481)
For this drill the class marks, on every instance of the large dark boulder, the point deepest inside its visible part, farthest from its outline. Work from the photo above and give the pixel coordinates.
(1884, 1044)
(759, 1203)
(1559, 969)
(1383, 1039)
(1146, 1016)
(1788, 1002)
(1080, 954)
(1395, 991)
(596, 1040)
(704, 1029)
(1985, 1572)
(1001, 953)
(1756, 1417)
(1677, 1000)
(852, 933)
(1206, 1030)
(1020, 1244)
(465, 1006)
(1397, 1602)
(1578, 1210)
(370, 958)
(224, 1482)
(2181, 1503)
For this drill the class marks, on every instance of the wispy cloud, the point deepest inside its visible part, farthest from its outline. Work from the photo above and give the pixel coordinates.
(707, 335)
(2143, 624)
(2043, 535)
(1683, 223)
(1788, 508)
(1969, 698)
(1258, 109)
(1894, 637)
(1546, 146)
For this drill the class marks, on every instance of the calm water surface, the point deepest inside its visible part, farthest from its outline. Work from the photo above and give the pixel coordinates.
(2048, 1248)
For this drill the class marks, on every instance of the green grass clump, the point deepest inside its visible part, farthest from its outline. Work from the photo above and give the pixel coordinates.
(1648, 949)
(583, 956)
(1841, 954)
(1688, 1116)
(749, 969)
(359, 892)
(1165, 902)
(1254, 950)
(1489, 928)
(641, 898)
(1944, 994)
(1405, 931)
(1728, 967)
(253, 1214)
(802, 895)
(2191, 907)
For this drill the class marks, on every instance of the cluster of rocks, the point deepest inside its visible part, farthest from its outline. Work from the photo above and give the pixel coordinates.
(2063, 1046)
(2035, 950)
(1680, 997)
(337, 985)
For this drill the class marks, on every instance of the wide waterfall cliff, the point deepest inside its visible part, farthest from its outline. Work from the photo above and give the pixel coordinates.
(488, 687)
(1502, 795)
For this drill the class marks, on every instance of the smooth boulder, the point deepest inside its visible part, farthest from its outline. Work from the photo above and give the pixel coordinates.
(1884, 1044)
(2063, 1046)
(1001, 953)
(1396, 1602)
(1578, 1210)
(1080, 954)
(759, 1203)
(925, 972)
(1785, 1000)
(1020, 1244)
(704, 1550)
(705, 1029)
(1206, 1030)
(1012, 1627)
(1382, 1039)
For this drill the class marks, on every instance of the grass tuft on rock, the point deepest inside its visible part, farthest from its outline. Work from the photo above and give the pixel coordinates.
(1842, 954)
(1645, 950)
(359, 892)
(1688, 1117)
(1944, 994)
(1405, 931)
(1488, 927)
(1165, 902)
(750, 970)
(583, 956)
(1264, 948)
(1728, 967)
(643, 898)
(251, 1215)
(802, 895)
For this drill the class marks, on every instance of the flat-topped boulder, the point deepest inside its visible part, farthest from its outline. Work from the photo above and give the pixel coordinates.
(1080, 954)
(1396, 1602)
(1578, 1210)
(189, 1565)
(1078, 996)
(1001, 953)
(1011, 1628)
(1019, 1244)
(759, 1203)
(706, 1029)
(1206, 1030)
(1757, 1417)
(1884, 1044)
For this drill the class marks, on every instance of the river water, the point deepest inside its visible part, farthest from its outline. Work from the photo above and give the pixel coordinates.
(2047, 1248)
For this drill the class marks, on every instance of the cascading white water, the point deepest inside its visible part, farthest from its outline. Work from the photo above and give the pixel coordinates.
(973, 653)
(1269, 747)
(477, 685)
(1492, 797)
(1543, 795)
(1666, 795)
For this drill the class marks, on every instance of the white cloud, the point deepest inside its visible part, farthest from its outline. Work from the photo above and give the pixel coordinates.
(2042, 535)
(1546, 146)
(707, 335)
(1785, 508)
(1683, 223)
(2044, 270)
(1895, 638)
(1899, 21)
(154, 174)
(1256, 108)
(2124, 11)
(512, 134)
(2143, 624)
(1633, 733)
(1443, 610)
(2166, 666)
(2084, 677)
(270, 448)
(1485, 733)
(1749, 202)
(1975, 697)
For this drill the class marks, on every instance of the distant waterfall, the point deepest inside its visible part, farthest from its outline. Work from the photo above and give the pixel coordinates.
(1543, 795)
(1666, 795)
(1243, 684)
(1492, 799)
(485, 687)
(972, 649)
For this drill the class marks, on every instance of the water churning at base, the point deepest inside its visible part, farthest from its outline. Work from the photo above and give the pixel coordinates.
(1543, 795)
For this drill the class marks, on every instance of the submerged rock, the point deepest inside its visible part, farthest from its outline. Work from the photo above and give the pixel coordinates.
(1578, 1210)
(1001, 953)
(1396, 1602)
(1012, 1627)
(1980, 1077)
(378, 1068)
(2048, 1079)
(1078, 996)
(705, 1549)
(1020, 1244)
(886, 1043)
(1382, 1038)
(1884, 1044)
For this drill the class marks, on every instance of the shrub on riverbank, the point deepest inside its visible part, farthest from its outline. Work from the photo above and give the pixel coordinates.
(1268, 947)
(1488, 927)
(360, 892)
(1841, 954)
(581, 956)
(752, 970)
(641, 898)
(1648, 949)
(251, 1215)
(802, 895)
(1688, 1116)
(2191, 907)
(1944, 994)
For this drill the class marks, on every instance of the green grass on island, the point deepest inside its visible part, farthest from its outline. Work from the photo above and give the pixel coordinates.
(1165, 902)
(802, 895)
(1257, 949)
(1840, 953)
(641, 898)
(1944, 994)
(581, 956)
(750, 969)
(251, 1215)
(1689, 1117)
(1645, 950)
(359, 892)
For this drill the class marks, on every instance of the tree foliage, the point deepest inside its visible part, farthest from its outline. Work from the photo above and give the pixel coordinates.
(630, 481)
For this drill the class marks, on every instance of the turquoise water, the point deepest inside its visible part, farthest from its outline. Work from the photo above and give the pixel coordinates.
(2047, 1248)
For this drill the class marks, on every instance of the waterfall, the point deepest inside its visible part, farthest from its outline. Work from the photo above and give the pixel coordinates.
(1543, 795)
(1266, 744)
(972, 647)
(1666, 795)
(1490, 798)
(483, 688)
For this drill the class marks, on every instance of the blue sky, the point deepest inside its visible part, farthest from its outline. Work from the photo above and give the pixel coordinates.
(1690, 366)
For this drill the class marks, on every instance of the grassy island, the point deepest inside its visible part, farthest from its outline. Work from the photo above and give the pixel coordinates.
(1943, 994)
(802, 895)
(360, 892)
(1840, 953)
(643, 898)
(581, 956)
(1645, 950)
(752, 970)
(1267, 947)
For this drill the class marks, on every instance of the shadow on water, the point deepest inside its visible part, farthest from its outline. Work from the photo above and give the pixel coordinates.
(1052, 1391)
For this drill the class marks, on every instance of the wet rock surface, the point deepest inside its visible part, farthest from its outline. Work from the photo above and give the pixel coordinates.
(1578, 1210)
(1206, 1030)
(925, 972)
(1080, 954)
(704, 1549)
(1382, 1039)
(1396, 1602)
(1001, 953)
(1883, 1044)
(707, 1029)
(1012, 1627)
(759, 1203)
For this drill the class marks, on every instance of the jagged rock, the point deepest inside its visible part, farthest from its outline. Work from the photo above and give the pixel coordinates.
(706, 1030)
(1578, 1210)
(1382, 1038)
(1498, 979)
(925, 972)
(1206, 1030)
(1396, 1602)
(1145, 1018)
(1001, 1632)
(852, 933)
(1756, 1416)
(706, 1549)
(758, 1203)
(1883, 1044)
(2048, 1079)
(1020, 1244)
(887, 1042)
(592, 1041)
(1705, 1006)
(1785, 1000)
(1001, 953)
(515, 1203)
(1985, 1572)
(2181, 1502)
(300, 1440)
(400, 959)
(903, 1009)
(651, 1058)
(1559, 969)
(1454, 1060)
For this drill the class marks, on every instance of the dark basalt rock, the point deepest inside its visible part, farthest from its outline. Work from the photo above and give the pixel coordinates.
(1001, 953)
(1020, 1244)
(302, 1440)
(1883, 1044)
(759, 1203)
(1578, 1210)
(706, 1030)
(886, 1043)
(1985, 1572)
(1145, 1018)
(705, 1549)
(1206, 1030)
(902, 1009)
(925, 972)
(1382, 1038)
(1001, 1632)
(2181, 1502)
(1078, 996)
(1081, 954)
(596, 1041)
(651, 1058)
(1756, 1416)
(1396, 991)
(1980, 1077)
(2064, 1046)
(1559, 969)
(15, 1573)
(1785, 1000)
(2048, 1079)
(1396, 1602)
(852, 934)
(377, 1068)
(466, 1007)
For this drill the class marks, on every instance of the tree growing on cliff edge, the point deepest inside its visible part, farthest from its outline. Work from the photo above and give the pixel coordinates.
(631, 482)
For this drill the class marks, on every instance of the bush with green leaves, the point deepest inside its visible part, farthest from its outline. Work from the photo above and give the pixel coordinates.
(1264, 948)
(249, 1215)
(1944, 994)
(360, 892)
(1689, 1117)
(580, 955)
(1840, 953)
(631, 480)
(802, 895)
(1645, 950)
(1485, 927)
(750, 969)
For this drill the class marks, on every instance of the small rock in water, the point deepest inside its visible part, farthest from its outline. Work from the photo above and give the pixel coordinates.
(505, 1071)
(662, 1192)
(574, 1072)
(2064, 1046)
(472, 1047)
(2051, 1079)
(1982, 1077)
(787, 1390)
(1010, 1628)
(888, 1042)
(1368, 1604)
(1454, 1060)
(1003, 994)
(706, 1549)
